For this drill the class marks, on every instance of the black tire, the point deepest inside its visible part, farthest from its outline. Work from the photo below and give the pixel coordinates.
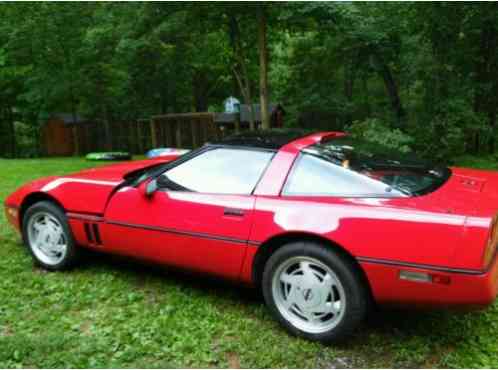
(355, 290)
(71, 254)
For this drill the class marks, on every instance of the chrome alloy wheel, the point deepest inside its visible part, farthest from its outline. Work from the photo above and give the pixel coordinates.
(308, 294)
(46, 238)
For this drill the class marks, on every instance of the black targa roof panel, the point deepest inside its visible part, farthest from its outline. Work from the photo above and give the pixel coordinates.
(266, 139)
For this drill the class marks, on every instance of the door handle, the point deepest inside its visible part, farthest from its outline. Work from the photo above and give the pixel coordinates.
(233, 212)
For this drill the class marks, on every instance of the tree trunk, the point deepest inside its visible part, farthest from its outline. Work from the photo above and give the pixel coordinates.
(163, 99)
(74, 129)
(107, 129)
(32, 118)
(200, 91)
(12, 129)
(349, 77)
(252, 117)
(246, 95)
(492, 124)
(486, 89)
(240, 69)
(263, 67)
(366, 101)
(391, 89)
(105, 115)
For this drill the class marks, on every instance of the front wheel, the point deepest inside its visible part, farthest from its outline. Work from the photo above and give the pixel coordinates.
(314, 292)
(47, 236)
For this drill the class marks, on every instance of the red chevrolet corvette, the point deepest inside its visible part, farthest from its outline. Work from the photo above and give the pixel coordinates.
(324, 224)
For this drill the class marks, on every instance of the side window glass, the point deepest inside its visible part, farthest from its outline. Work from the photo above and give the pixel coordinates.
(315, 176)
(221, 171)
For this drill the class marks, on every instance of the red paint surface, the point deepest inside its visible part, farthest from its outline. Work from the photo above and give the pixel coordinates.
(447, 229)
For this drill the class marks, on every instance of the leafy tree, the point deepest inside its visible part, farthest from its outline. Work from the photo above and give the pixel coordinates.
(425, 71)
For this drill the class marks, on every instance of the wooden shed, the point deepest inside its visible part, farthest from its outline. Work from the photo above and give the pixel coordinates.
(57, 135)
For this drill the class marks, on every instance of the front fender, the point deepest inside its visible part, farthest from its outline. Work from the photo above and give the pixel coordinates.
(16, 198)
(75, 194)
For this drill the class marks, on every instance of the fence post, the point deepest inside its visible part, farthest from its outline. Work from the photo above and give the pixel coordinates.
(194, 126)
(139, 136)
(153, 132)
(131, 128)
(214, 129)
(178, 133)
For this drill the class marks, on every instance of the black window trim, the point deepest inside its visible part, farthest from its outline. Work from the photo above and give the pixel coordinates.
(301, 154)
(209, 147)
(430, 189)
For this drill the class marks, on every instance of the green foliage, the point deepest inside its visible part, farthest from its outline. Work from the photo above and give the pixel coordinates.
(489, 162)
(27, 146)
(445, 134)
(429, 70)
(377, 131)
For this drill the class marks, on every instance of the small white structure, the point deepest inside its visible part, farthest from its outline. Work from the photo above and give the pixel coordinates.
(232, 105)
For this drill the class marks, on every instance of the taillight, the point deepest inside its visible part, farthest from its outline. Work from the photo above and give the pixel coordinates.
(492, 242)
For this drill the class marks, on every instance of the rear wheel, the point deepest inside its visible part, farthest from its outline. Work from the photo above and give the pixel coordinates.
(47, 236)
(314, 292)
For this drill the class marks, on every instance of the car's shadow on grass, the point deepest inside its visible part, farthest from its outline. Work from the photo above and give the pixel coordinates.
(383, 323)
(143, 270)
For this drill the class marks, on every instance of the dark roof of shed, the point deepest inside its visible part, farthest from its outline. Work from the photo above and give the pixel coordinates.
(266, 139)
(245, 114)
(68, 118)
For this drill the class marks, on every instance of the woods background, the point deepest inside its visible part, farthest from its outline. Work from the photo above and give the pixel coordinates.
(417, 76)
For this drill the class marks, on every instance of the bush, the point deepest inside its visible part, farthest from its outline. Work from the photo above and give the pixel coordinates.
(377, 131)
(443, 136)
(27, 138)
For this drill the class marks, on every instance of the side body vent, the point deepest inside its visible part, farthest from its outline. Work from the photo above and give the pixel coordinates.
(92, 233)
(96, 234)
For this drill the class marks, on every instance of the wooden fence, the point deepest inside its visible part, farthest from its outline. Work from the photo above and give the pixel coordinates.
(187, 130)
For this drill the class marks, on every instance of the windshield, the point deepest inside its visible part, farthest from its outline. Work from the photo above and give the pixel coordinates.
(402, 174)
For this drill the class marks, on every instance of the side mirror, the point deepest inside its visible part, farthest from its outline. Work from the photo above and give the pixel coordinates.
(151, 188)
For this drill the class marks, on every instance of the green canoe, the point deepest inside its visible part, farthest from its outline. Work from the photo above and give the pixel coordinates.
(108, 156)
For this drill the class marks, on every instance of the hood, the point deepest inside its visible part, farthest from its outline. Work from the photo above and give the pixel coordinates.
(117, 172)
(87, 191)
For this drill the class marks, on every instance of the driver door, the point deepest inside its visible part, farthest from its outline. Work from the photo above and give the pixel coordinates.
(203, 227)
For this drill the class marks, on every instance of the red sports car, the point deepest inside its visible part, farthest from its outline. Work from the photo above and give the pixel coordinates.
(323, 223)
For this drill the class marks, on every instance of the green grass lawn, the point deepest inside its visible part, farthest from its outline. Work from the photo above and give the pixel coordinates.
(113, 313)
